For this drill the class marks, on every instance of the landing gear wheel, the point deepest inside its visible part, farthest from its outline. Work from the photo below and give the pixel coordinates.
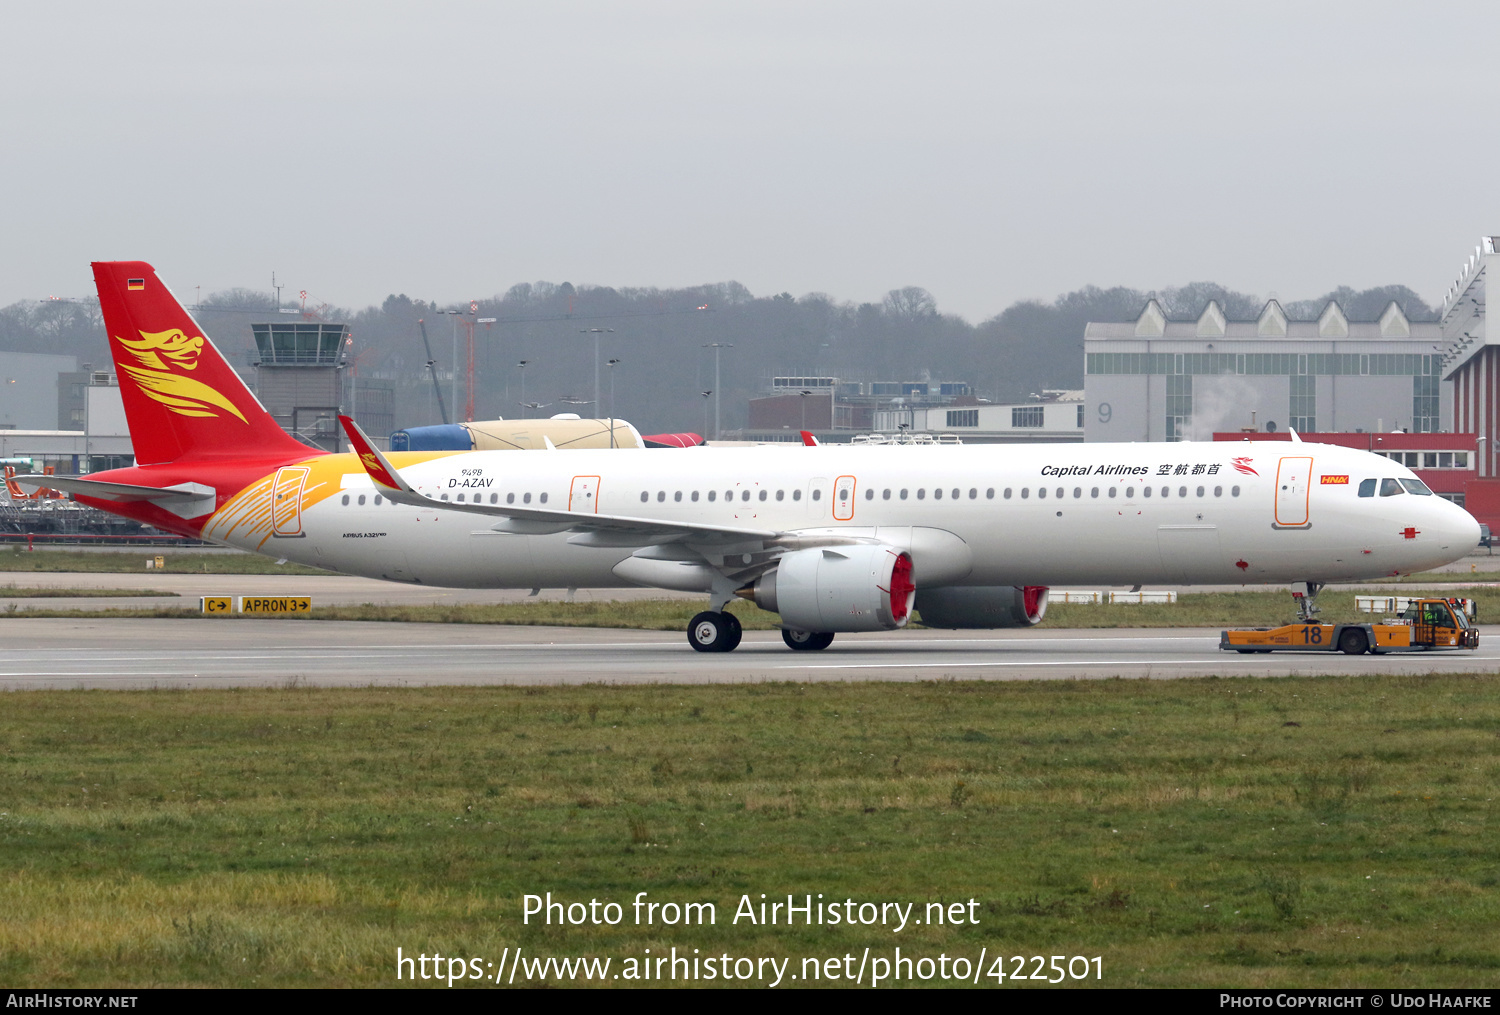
(806, 641)
(1353, 642)
(710, 631)
(734, 632)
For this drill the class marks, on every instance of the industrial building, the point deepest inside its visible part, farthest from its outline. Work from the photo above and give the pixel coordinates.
(1471, 364)
(1055, 417)
(1154, 379)
(836, 409)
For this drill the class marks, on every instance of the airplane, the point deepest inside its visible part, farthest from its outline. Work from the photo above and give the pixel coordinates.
(833, 538)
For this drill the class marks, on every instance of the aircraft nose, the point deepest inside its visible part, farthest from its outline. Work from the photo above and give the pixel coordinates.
(1458, 530)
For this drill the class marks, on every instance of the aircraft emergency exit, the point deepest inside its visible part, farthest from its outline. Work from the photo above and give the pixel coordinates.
(833, 538)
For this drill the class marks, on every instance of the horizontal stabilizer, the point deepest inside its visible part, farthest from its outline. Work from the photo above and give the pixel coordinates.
(116, 491)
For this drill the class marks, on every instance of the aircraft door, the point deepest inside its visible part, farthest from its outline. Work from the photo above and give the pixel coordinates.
(843, 498)
(1293, 488)
(817, 490)
(584, 496)
(286, 500)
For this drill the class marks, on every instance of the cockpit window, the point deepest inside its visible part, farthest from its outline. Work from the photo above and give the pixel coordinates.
(1417, 487)
(1390, 488)
(1367, 487)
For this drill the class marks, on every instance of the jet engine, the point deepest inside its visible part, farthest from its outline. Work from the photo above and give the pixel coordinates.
(983, 607)
(861, 587)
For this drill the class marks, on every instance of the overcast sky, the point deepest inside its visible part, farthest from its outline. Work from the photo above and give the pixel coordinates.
(988, 152)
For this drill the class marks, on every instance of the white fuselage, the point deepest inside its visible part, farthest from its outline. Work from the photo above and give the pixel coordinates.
(1107, 514)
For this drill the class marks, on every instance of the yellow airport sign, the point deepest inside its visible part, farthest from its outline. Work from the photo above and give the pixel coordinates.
(281, 605)
(216, 604)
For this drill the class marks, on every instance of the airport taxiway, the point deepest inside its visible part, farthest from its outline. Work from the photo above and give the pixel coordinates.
(106, 653)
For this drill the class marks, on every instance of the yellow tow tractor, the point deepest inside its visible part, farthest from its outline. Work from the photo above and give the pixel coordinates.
(1424, 624)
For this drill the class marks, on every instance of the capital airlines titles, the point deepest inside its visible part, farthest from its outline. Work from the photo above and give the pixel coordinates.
(1200, 469)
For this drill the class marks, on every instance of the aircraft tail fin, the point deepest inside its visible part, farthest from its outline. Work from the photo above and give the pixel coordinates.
(182, 398)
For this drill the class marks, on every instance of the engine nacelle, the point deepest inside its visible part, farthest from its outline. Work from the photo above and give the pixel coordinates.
(983, 607)
(861, 587)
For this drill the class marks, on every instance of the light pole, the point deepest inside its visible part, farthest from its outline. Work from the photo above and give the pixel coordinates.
(612, 364)
(596, 332)
(716, 346)
(453, 381)
(705, 395)
(522, 365)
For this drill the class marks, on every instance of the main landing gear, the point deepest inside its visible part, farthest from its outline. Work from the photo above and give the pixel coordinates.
(714, 631)
(806, 641)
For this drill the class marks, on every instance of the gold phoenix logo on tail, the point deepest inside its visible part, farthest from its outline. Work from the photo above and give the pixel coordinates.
(157, 353)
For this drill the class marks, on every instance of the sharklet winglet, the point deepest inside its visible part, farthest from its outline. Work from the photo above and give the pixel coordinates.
(381, 472)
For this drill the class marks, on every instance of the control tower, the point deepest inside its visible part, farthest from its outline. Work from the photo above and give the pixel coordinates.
(299, 377)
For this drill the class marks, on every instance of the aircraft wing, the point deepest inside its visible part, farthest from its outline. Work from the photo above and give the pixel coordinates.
(540, 520)
(109, 491)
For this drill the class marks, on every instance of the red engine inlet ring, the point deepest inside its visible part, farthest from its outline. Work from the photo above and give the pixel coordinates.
(901, 588)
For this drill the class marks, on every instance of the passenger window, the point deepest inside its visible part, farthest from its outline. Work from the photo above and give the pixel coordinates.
(1234, 491)
(764, 494)
(922, 493)
(1041, 493)
(1166, 491)
(494, 499)
(1113, 491)
(729, 495)
(903, 494)
(973, 493)
(1218, 491)
(885, 494)
(695, 497)
(816, 495)
(1390, 488)
(445, 497)
(781, 494)
(377, 499)
(460, 499)
(937, 494)
(869, 493)
(1147, 491)
(1077, 492)
(796, 495)
(1007, 493)
(1025, 492)
(525, 498)
(955, 494)
(1094, 492)
(1060, 492)
(1182, 491)
(362, 498)
(990, 494)
(677, 496)
(345, 500)
(661, 495)
(1200, 491)
(712, 494)
(1129, 492)
(644, 496)
(510, 498)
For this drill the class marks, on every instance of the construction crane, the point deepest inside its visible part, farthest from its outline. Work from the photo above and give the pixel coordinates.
(432, 369)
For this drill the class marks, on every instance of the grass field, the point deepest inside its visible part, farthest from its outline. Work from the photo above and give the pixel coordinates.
(50, 592)
(1221, 832)
(1213, 609)
(18, 558)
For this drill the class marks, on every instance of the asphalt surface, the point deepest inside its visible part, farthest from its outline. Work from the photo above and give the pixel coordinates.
(104, 653)
(119, 653)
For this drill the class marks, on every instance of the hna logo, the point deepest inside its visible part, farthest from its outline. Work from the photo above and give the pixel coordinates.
(369, 459)
(160, 355)
(1243, 465)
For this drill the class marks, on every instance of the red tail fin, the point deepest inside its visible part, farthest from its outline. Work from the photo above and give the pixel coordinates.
(182, 399)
